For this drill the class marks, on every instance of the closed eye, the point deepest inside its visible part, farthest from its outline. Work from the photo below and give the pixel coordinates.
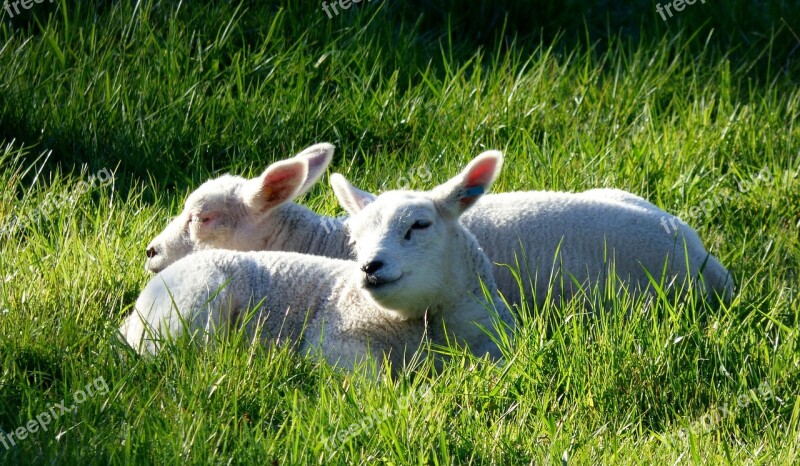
(418, 225)
(199, 218)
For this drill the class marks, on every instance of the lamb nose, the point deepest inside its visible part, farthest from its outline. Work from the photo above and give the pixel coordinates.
(150, 252)
(371, 267)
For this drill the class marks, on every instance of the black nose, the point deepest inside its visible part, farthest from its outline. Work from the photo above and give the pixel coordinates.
(151, 252)
(371, 267)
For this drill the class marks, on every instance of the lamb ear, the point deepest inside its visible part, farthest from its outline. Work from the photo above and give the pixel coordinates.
(460, 193)
(317, 158)
(350, 198)
(279, 183)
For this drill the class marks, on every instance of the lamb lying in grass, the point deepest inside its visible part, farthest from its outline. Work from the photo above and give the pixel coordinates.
(563, 242)
(418, 275)
(579, 238)
(231, 212)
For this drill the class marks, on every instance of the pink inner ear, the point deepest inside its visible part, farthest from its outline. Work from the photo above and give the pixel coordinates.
(280, 177)
(481, 174)
(280, 183)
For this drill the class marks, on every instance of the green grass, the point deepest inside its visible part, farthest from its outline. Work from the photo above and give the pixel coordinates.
(577, 94)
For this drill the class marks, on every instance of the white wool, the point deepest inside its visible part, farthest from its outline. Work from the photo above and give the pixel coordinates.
(592, 231)
(288, 291)
(411, 281)
(567, 243)
(569, 237)
(231, 212)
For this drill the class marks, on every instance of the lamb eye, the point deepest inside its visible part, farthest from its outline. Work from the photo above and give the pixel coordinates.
(418, 225)
(197, 218)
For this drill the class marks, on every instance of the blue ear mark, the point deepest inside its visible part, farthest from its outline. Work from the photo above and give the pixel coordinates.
(473, 191)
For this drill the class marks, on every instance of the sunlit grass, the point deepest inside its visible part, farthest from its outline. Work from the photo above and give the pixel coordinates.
(166, 95)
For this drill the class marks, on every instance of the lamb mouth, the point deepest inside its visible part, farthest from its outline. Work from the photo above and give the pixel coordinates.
(152, 269)
(371, 282)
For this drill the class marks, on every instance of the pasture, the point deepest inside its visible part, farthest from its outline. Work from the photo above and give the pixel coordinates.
(112, 112)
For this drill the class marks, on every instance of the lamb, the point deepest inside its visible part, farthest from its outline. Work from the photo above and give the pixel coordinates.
(228, 213)
(418, 275)
(564, 243)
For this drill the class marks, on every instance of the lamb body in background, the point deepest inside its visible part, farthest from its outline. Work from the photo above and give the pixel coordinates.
(418, 275)
(591, 231)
